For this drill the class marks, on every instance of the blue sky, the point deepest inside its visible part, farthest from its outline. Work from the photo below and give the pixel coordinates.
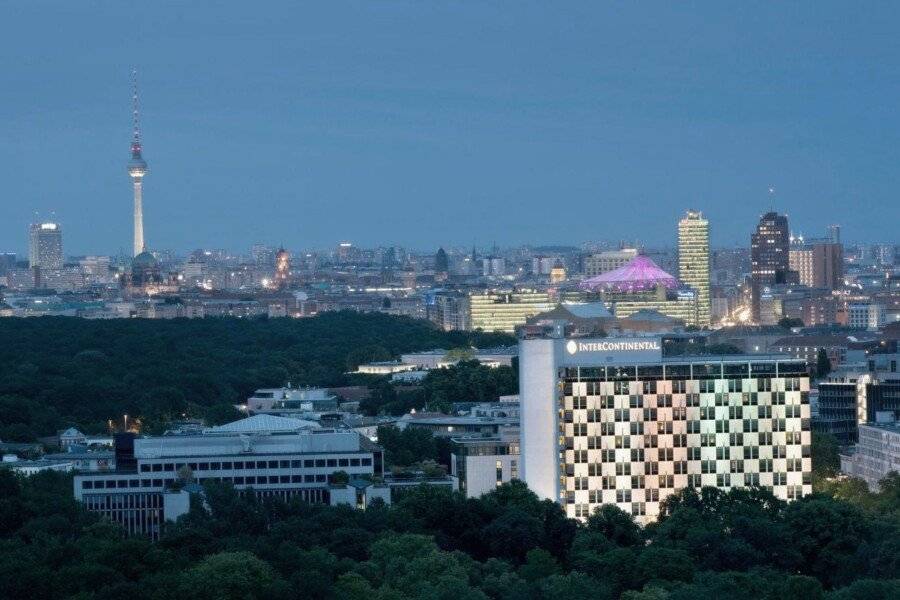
(448, 123)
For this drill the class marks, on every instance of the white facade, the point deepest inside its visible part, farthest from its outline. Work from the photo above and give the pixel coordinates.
(609, 421)
(866, 316)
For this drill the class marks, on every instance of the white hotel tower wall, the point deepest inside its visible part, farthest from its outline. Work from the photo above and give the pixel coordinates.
(609, 421)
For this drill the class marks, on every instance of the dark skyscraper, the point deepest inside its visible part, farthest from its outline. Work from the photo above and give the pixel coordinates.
(769, 255)
(441, 265)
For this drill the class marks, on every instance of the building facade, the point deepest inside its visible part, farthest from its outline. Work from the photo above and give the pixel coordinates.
(693, 260)
(504, 311)
(603, 262)
(609, 421)
(481, 464)
(769, 256)
(45, 249)
(876, 454)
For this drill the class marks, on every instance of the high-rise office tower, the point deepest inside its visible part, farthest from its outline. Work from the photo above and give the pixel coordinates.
(45, 246)
(769, 256)
(137, 168)
(441, 265)
(693, 260)
(282, 268)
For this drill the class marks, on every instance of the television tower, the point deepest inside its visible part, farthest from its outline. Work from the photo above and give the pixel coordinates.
(137, 168)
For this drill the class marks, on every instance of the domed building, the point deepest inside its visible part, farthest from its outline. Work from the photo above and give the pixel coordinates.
(145, 270)
(641, 285)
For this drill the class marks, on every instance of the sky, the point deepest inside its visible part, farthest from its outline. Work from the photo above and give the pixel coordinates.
(426, 124)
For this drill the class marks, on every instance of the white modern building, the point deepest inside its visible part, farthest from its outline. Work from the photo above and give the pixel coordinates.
(287, 401)
(481, 464)
(265, 455)
(866, 316)
(438, 358)
(610, 421)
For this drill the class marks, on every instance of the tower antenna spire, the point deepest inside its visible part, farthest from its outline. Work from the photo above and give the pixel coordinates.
(135, 111)
(137, 168)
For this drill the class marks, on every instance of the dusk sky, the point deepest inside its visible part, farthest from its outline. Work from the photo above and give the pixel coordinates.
(424, 124)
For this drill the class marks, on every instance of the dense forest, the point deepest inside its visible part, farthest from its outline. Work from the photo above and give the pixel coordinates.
(58, 371)
(468, 381)
(431, 544)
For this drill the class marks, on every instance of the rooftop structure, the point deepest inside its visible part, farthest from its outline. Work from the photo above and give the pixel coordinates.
(639, 275)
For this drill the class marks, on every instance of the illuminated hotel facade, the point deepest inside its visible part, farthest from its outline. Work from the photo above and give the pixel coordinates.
(610, 421)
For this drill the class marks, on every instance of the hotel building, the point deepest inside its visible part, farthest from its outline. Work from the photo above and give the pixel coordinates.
(610, 421)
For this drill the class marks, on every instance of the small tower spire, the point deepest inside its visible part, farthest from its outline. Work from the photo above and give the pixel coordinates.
(135, 115)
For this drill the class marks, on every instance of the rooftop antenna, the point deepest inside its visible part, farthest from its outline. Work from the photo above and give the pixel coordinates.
(135, 114)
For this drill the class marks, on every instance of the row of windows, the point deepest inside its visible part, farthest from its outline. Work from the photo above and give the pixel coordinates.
(704, 386)
(690, 400)
(259, 464)
(89, 484)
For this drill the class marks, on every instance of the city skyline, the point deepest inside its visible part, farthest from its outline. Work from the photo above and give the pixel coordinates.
(301, 138)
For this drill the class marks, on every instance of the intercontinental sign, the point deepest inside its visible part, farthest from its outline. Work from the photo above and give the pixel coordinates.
(610, 351)
(572, 347)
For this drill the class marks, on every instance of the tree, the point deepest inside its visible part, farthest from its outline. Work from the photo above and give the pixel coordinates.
(790, 322)
(826, 458)
(233, 575)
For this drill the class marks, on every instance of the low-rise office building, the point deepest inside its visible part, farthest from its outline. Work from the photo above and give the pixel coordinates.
(483, 463)
(876, 454)
(610, 421)
(289, 401)
(264, 455)
(858, 394)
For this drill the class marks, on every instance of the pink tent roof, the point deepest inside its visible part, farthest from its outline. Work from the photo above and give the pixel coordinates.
(641, 274)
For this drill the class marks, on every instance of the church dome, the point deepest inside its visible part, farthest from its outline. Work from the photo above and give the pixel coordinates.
(144, 260)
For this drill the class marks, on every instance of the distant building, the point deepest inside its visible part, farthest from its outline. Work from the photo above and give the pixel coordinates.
(819, 264)
(31, 467)
(441, 265)
(603, 262)
(45, 246)
(641, 285)
(769, 257)
(693, 261)
(386, 367)
(493, 266)
(448, 310)
(504, 311)
(288, 401)
(282, 269)
(866, 316)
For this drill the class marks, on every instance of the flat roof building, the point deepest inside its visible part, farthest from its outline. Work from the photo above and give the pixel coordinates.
(265, 455)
